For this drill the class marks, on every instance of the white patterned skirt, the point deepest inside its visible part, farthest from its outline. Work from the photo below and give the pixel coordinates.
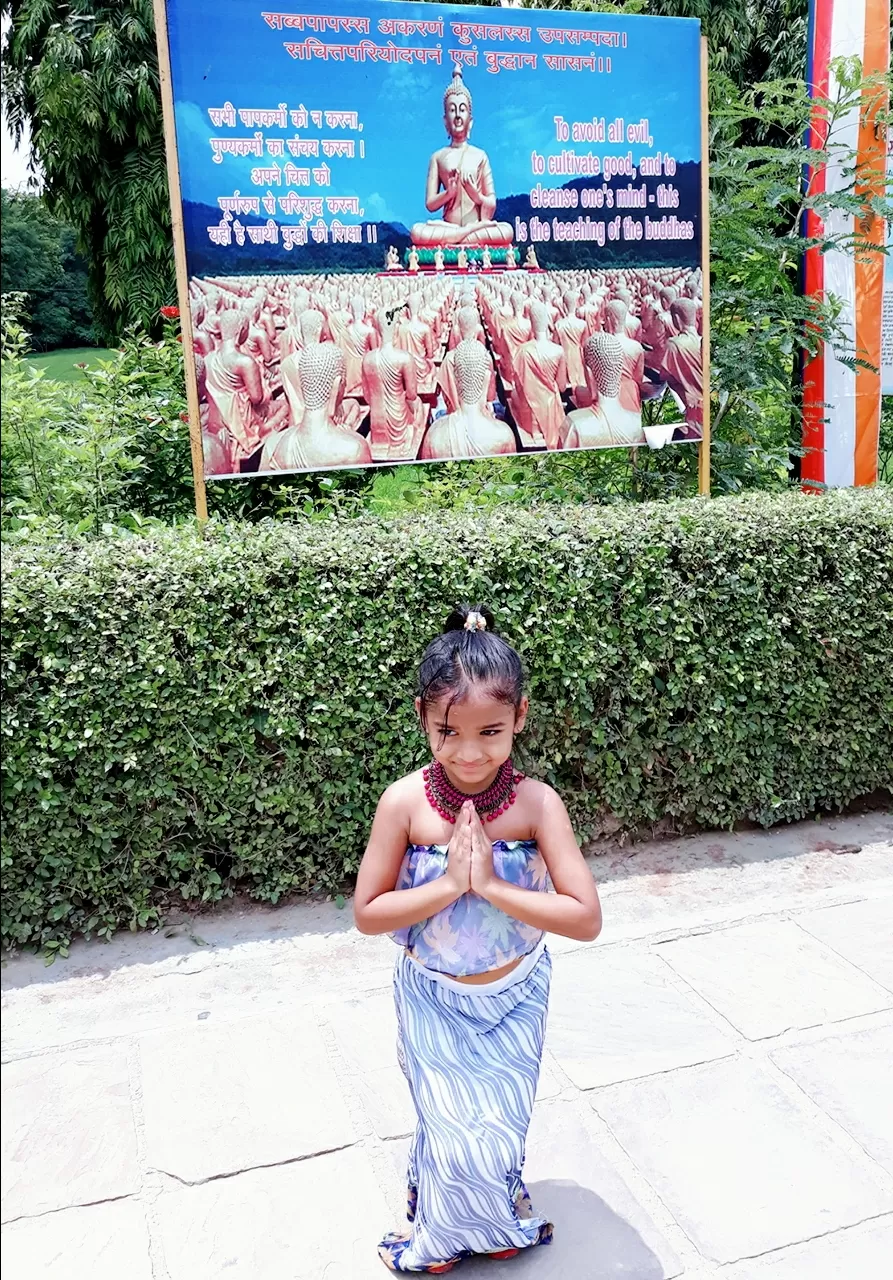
(471, 1056)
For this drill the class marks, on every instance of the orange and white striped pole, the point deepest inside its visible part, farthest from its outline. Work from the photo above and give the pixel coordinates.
(842, 404)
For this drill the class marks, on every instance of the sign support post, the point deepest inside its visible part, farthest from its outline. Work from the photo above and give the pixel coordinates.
(173, 181)
(704, 445)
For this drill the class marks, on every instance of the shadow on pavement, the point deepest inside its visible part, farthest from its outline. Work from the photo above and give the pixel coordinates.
(591, 1242)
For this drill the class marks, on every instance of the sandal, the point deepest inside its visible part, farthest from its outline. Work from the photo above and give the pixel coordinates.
(392, 1247)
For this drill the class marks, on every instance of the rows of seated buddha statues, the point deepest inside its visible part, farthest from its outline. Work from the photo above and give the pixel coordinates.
(300, 373)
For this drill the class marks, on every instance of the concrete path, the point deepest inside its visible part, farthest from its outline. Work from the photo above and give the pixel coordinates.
(221, 1101)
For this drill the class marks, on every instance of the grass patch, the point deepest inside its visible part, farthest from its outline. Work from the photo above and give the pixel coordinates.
(62, 365)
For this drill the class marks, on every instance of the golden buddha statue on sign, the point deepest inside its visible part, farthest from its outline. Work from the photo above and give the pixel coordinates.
(460, 182)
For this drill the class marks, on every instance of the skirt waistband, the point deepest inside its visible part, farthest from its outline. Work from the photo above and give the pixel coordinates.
(518, 974)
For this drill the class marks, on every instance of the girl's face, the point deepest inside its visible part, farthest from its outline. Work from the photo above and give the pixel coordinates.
(474, 738)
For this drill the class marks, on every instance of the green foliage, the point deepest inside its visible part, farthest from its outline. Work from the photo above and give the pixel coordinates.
(604, 476)
(85, 76)
(762, 326)
(69, 455)
(185, 715)
(885, 442)
(39, 259)
(749, 40)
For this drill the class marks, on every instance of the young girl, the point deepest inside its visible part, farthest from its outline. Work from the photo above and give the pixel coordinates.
(459, 868)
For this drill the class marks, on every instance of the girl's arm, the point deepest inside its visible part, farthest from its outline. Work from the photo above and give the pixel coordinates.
(574, 909)
(379, 907)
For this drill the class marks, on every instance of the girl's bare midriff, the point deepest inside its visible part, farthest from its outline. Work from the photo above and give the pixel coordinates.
(481, 979)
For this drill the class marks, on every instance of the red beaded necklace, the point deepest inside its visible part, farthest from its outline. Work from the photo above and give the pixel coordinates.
(448, 800)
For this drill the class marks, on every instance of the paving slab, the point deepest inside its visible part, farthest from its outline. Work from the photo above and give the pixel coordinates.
(317, 1219)
(601, 1229)
(859, 1253)
(769, 976)
(862, 932)
(366, 1033)
(188, 978)
(99, 1242)
(851, 1078)
(618, 1015)
(742, 1167)
(721, 877)
(220, 1099)
(68, 1131)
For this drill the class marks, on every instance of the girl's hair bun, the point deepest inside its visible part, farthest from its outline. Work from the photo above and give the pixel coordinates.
(468, 653)
(470, 618)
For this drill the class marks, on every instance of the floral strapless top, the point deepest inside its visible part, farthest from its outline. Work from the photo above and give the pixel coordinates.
(471, 935)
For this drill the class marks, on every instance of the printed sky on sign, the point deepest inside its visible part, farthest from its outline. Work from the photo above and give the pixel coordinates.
(225, 51)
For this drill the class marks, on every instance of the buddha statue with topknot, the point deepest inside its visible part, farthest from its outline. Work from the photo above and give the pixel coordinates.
(460, 182)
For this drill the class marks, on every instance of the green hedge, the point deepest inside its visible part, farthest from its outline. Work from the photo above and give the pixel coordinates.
(186, 715)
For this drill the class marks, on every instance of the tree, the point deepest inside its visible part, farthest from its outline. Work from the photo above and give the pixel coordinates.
(750, 40)
(39, 260)
(84, 75)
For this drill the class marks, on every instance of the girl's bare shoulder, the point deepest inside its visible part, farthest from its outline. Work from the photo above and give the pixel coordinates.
(539, 801)
(403, 794)
(536, 792)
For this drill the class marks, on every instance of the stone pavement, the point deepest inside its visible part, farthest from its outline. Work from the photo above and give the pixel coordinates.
(221, 1101)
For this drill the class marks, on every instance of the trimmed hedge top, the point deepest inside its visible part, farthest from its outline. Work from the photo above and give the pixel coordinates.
(190, 714)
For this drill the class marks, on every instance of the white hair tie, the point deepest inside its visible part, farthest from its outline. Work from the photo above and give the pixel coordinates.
(475, 622)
